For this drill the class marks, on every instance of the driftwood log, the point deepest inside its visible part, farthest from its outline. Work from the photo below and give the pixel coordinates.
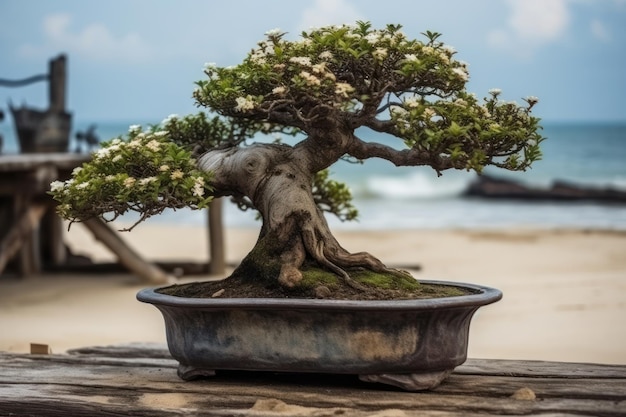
(140, 380)
(486, 186)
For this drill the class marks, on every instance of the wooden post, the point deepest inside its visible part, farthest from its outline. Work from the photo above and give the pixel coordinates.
(217, 264)
(58, 83)
(19, 238)
(126, 255)
(54, 245)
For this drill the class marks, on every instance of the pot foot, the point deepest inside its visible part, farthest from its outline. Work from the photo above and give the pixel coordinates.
(409, 382)
(188, 373)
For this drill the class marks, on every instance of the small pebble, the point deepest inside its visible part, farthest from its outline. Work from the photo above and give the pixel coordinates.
(218, 293)
(322, 292)
(524, 394)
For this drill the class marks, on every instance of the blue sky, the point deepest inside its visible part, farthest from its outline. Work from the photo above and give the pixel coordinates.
(137, 60)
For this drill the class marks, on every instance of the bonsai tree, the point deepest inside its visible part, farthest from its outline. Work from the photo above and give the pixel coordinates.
(320, 89)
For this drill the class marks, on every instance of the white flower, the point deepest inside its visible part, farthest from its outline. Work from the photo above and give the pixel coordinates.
(301, 60)
(117, 158)
(208, 66)
(326, 55)
(176, 175)
(160, 133)
(102, 152)
(532, 100)
(169, 119)
(429, 113)
(460, 102)
(164, 168)
(411, 57)
(411, 102)
(147, 180)
(372, 38)
(319, 68)
(449, 50)
(495, 92)
(82, 185)
(110, 178)
(428, 50)
(273, 32)
(380, 53)
(56, 186)
(153, 145)
(280, 90)
(310, 78)
(76, 170)
(397, 112)
(244, 104)
(134, 128)
(258, 57)
(198, 187)
(116, 141)
(133, 144)
(129, 182)
(343, 89)
(461, 73)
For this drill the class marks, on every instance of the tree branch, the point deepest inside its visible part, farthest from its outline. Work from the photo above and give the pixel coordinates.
(399, 157)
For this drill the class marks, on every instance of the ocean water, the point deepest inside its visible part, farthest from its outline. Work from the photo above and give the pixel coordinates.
(388, 197)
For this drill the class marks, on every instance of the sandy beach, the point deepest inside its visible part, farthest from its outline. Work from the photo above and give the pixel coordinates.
(564, 290)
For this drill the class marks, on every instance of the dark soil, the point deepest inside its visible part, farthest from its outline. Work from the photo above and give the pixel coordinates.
(234, 287)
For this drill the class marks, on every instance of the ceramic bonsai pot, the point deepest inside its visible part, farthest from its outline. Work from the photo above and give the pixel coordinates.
(412, 344)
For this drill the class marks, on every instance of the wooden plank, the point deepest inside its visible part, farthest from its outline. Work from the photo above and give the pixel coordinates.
(63, 161)
(540, 369)
(96, 383)
(126, 255)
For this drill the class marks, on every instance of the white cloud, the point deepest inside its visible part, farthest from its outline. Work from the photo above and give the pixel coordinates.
(328, 12)
(93, 42)
(538, 20)
(599, 30)
(531, 24)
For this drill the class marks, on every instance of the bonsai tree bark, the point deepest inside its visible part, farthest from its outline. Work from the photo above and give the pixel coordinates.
(322, 88)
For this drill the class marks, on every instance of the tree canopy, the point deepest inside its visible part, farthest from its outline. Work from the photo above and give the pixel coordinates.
(321, 87)
(339, 78)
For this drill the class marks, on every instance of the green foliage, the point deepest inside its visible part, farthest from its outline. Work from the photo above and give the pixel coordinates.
(342, 67)
(333, 196)
(199, 133)
(145, 172)
(326, 84)
(362, 76)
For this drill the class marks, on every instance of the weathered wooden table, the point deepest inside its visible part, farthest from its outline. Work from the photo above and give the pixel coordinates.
(140, 380)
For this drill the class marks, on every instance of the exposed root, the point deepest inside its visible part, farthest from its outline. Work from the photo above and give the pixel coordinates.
(336, 259)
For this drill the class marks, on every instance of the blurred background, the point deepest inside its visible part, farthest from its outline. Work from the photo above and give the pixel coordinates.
(559, 261)
(136, 63)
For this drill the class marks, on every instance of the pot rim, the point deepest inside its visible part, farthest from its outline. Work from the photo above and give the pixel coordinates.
(483, 296)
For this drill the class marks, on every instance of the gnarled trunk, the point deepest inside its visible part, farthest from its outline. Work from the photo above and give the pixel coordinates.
(294, 229)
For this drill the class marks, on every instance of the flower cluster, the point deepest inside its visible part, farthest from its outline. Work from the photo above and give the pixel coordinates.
(145, 172)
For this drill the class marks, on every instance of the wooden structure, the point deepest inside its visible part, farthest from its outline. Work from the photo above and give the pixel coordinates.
(141, 380)
(32, 233)
(29, 228)
(44, 130)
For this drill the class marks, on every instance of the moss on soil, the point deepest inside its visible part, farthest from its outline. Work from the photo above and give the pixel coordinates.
(377, 287)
